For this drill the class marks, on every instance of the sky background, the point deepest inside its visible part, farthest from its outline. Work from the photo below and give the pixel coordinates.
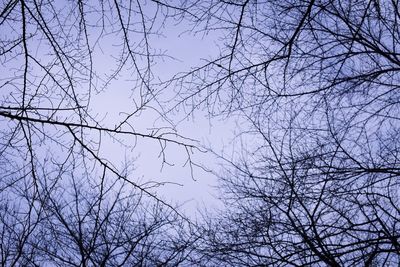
(185, 50)
(181, 50)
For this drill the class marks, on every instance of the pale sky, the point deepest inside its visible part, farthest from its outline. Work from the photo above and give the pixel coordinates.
(186, 50)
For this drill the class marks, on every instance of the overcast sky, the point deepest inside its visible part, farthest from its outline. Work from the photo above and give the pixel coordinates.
(184, 51)
(181, 50)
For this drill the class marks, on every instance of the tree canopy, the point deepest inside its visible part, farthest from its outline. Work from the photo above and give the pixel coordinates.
(312, 177)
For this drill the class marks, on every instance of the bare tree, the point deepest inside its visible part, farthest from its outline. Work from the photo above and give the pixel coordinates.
(52, 65)
(316, 84)
(64, 199)
(90, 221)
